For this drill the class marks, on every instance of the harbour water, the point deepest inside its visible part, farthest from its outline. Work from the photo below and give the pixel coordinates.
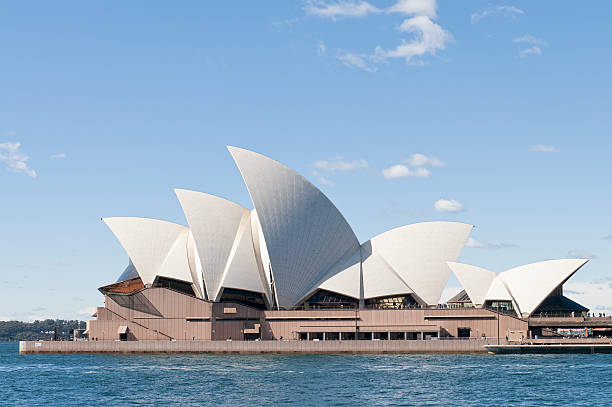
(313, 380)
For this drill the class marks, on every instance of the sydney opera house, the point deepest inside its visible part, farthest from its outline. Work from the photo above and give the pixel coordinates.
(292, 268)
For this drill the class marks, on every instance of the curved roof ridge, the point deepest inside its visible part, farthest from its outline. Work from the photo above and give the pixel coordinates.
(531, 283)
(305, 233)
(426, 246)
(214, 223)
(148, 243)
(475, 280)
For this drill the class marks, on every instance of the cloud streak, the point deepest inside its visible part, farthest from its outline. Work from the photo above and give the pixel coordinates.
(14, 159)
(542, 148)
(477, 244)
(507, 11)
(340, 9)
(426, 38)
(449, 205)
(323, 168)
(535, 48)
(401, 171)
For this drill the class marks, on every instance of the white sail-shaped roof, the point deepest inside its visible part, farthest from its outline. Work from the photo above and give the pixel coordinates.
(215, 224)
(348, 280)
(195, 266)
(475, 280)
(498, 291)
(305, 233)
(380, 279)
(241, 271)
(155, 247)
(418, 254)
(532, 283)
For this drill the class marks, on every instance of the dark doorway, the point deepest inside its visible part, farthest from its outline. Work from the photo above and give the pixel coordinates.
(463, 332)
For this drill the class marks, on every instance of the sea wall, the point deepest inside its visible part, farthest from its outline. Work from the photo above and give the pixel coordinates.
(251, 347)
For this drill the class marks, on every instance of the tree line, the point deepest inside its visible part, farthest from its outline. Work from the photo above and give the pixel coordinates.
(47, 329)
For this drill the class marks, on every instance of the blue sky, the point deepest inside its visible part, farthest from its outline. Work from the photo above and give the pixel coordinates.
(106, 107)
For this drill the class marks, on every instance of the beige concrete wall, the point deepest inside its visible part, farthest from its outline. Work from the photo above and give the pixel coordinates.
(184, 318)
(429, 346)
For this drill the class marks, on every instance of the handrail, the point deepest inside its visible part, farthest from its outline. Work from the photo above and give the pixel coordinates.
(139, 324)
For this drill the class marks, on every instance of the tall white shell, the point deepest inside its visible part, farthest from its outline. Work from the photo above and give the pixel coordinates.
(475, 280)
(532, 283)
(305, 234)
(155, 247)
(418, 254)
(222, 234)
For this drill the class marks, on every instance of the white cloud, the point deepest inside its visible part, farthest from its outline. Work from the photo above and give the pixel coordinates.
(542, 148)
(323, 179)
(360, 61)
(321, 48)
(534, 49)
(421, 160)
(428, 38)
(401, 171)
(448, 205)
(580, 254)
(14, 159)
(477, 244)
(340, 9)
(340, 164)
(323, 168)
(507, 11)
(609, 237)
(58, 155)
(415, 7)
(597, 295)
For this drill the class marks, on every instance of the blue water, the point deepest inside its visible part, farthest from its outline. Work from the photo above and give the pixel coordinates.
(313, 380)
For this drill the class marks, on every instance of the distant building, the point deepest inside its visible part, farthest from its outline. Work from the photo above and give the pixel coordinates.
(292, 268)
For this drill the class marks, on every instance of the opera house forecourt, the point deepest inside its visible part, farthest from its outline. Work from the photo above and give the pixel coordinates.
(292, 270)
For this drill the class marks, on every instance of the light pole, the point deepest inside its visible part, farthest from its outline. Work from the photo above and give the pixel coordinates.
(498, 322)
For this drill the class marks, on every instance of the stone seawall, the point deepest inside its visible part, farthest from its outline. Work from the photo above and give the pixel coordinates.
(252, 347)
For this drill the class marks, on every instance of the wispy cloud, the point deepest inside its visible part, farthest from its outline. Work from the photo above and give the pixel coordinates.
(14, 159)
(609, 237)
(401, 171)
(507, 11)
(321, 48)
(542, 148)
(58, 155)
(415, 167)
(415, 7)
(425, 36)
(580, 254)
(340, 164)
(534, 43)
(333, 10)
(360, 61)
(325, 168)
(428, 39)
(448, 205)
(477, 244)
(421, 160)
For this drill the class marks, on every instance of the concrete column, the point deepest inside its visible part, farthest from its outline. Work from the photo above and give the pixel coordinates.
(372, 335)
(405, 336)
(307, 336)
(388, 335)
(323, 335)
